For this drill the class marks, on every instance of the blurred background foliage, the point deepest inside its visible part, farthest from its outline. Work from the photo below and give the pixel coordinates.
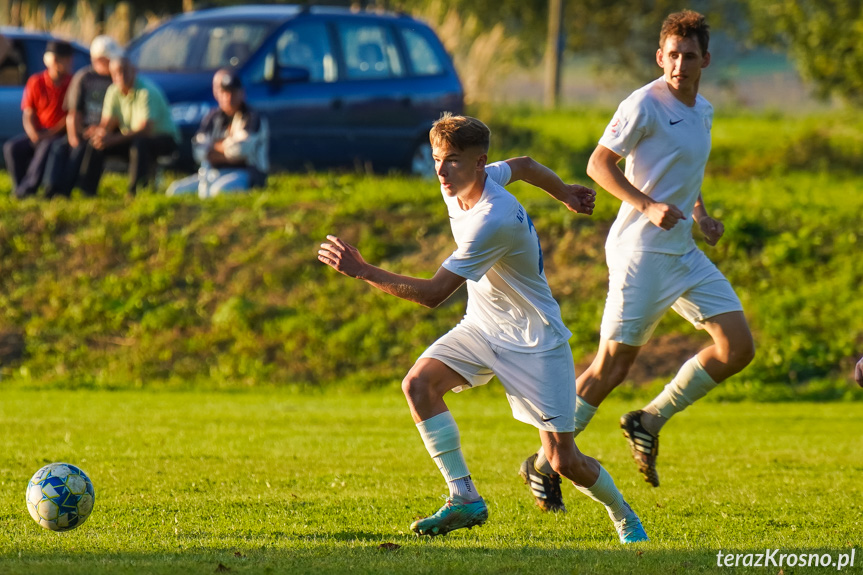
(489, 38)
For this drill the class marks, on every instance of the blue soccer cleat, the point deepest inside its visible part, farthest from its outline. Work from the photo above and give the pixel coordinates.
(453, 515)
(630, 529)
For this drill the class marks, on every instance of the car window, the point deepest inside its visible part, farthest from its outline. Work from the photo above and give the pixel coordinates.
(424, 60)
(13, 71)
(199, 46)
(369, 51)
(307, 45)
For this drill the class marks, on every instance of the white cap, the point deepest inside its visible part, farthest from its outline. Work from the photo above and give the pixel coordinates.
(104, 47)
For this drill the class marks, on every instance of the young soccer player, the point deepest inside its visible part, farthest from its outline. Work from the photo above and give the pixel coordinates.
(512, 327)
(663, 131)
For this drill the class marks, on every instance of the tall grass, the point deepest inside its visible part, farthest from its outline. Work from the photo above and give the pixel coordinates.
(82, 22)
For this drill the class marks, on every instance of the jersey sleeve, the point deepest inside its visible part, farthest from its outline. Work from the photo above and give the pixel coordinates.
(28, 99)
(477, 253)
(73, 100)
(111, 105)
(629, 125)
(499, 172)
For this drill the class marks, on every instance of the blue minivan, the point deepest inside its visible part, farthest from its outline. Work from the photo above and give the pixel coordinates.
(339, 87)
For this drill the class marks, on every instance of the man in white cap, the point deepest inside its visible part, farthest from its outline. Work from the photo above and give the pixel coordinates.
(83, 106)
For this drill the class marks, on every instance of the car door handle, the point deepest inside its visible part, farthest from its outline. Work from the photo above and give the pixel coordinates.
(336, 104)
(406, 102)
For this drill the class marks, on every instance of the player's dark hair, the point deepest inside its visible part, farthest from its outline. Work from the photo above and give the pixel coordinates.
(460, 132)
(686, 24)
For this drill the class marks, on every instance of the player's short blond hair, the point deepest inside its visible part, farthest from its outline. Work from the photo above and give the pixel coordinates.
(460, 132)
(686, 24)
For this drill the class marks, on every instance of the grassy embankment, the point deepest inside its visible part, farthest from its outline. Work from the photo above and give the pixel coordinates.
(160, 292)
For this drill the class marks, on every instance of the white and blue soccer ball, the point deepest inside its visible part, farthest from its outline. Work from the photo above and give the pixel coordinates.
(60, 497)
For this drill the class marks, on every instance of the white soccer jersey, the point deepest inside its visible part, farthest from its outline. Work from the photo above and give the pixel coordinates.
(499, 254)
(666, 145)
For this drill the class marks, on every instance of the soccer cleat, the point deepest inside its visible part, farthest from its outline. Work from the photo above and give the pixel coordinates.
(630, 529)
(545, 488)
(453, 515)
(643, 444)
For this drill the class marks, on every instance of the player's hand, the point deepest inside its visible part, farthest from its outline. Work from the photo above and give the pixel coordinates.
(664, 216)
(579, 199)
(858, 372)
(342, 257)
(712, 229)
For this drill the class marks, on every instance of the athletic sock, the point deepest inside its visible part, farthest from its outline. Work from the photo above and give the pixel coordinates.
(605, 491)
(584, 412)
(464, 489)
(690, 384)
(443, 442)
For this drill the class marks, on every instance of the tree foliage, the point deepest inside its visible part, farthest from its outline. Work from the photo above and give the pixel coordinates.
(822, 36)
(618, 35)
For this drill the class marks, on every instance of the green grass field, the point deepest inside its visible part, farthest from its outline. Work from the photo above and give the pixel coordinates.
(271, 482)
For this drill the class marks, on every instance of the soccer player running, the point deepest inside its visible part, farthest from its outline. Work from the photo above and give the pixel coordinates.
(663, 131)
(512, 327)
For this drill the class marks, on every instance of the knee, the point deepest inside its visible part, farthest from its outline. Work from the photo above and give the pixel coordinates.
(415, 386)
(741, 354)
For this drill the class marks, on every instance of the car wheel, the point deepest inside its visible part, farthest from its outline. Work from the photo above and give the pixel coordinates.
(422, 164)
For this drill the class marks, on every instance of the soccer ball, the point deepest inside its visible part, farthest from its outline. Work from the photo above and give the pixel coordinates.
(60, 497)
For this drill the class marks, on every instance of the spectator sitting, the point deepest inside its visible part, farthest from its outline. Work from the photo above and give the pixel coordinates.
(232, 144)
(44, 121)
(136, 123)
(83, 105)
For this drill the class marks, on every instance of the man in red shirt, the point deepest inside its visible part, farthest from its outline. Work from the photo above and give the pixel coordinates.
(44, 120)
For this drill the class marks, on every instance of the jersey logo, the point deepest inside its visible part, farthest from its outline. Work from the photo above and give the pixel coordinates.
(672, 122)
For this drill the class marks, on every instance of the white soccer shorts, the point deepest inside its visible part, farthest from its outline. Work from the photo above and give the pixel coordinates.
(642, 286)
(540, 386)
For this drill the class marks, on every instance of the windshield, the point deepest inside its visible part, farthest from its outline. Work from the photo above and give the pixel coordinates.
(199, 46)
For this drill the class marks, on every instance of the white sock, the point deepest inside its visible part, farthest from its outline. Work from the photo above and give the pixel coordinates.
(463, 488)
(443, 442)
(584, 412)
(605, 491)
(690, 384)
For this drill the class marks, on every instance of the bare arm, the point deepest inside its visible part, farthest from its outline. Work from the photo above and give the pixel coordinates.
(576, 198)
(73, 128)
(710, 227)
(346, 259)
(108, 134)
(603, 168)
(30, 125)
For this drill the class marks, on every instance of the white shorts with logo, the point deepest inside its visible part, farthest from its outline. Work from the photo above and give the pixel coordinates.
(540, 386)
(642, 286)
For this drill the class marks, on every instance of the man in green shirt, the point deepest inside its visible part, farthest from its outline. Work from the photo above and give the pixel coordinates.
(136, 123)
